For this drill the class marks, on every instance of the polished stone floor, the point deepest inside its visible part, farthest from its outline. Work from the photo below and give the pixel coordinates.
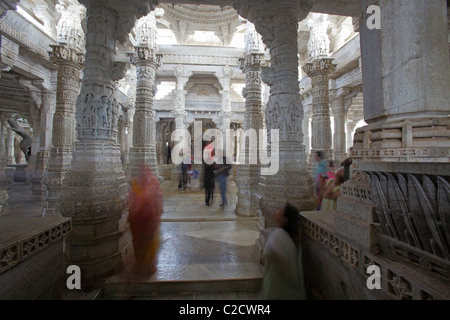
(207, 252)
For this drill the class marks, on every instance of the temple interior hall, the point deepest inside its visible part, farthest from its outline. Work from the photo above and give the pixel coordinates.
(286, 92)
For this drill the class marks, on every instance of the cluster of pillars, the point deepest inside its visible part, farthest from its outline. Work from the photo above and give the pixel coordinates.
(94, 190)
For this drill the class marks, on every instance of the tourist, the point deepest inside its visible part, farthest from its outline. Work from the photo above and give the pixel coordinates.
(208, 182)
(283, 268)
(184, 175)
(222, 172)
(323, 181)
(331, 173)
(145, 210)
(321, 168)
(346, 164)
(195, 182)
(332, 192)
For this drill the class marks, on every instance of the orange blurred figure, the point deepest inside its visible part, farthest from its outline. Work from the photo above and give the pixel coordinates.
(146, 208)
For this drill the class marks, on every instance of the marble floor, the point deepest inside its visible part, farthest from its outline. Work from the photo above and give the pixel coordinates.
(206, 252)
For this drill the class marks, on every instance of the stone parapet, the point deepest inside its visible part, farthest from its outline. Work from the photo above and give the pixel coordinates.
(31, 257)
(345, 276)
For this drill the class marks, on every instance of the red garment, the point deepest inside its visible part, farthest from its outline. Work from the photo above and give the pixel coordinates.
(145, 210)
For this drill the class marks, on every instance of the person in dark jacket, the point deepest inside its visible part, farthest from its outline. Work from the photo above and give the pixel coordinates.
(346, 164)
(208, 182)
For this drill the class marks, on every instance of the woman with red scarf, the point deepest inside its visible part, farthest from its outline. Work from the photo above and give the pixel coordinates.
(146, 208)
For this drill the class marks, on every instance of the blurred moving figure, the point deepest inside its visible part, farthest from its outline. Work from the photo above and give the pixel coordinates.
(332, 192)
(283, 267)
(146, 208)
(222, 171)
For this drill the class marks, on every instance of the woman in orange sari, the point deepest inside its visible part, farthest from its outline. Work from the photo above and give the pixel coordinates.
(146, 208)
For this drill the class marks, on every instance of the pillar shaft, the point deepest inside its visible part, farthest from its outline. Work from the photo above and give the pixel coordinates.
(277, 23)
(247, 178)
(69, 64)
(319, 71)
(339, 114)
(144, 141)
(397, 100)
(95, 191)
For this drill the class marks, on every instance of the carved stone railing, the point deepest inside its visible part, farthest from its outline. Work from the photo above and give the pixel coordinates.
(15, 246)
(397, 282)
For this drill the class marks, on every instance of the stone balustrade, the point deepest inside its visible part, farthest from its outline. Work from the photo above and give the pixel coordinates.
(31, 256)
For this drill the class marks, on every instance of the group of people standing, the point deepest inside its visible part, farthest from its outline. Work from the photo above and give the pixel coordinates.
(328, 180)
(213, 172)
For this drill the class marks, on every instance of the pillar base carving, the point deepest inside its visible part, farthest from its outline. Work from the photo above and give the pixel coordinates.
(247, 181)
(404, 140)
(95, 196)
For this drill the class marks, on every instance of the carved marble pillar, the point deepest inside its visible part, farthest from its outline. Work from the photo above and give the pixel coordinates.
(42, 156)
(321, 140)
(95, 191)
(396, 100)
(146, 60)
(179, 112)
(224, 78)
(306, 124)
(338, 108)
(402, 155)
(3, 154)
(277, 23)
(10, 159)
(247, 177)
(5, 181)
(69, 63)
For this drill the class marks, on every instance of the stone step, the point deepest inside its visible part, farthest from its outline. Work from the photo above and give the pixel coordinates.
(182, 289)
(95, 294)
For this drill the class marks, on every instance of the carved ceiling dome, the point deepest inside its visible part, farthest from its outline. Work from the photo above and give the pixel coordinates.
(186, 19)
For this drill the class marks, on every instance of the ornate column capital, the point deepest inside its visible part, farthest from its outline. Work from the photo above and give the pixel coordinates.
(64, 52)
(251, 61)
(145, 54)
(178, 113)
(262, 14)
(182, 76)
(320, 67)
